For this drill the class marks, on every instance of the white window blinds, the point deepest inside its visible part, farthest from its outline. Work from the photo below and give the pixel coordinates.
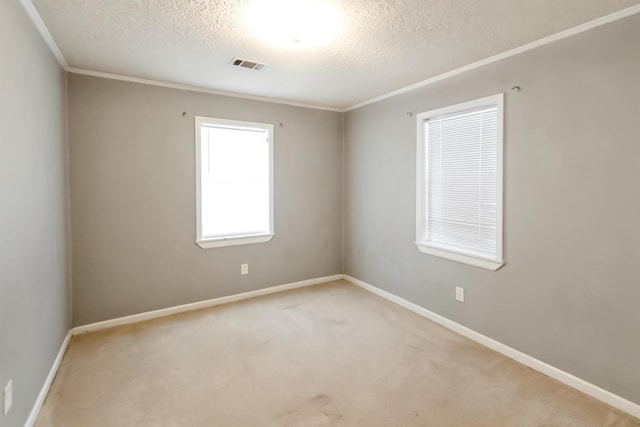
(461, 185)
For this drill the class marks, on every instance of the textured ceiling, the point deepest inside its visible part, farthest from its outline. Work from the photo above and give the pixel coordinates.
(383, 46)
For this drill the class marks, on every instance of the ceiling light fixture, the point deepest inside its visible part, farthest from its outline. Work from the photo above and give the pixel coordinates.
(290, 23)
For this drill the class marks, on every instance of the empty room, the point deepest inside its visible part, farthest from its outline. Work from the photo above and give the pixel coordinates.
(307, 213)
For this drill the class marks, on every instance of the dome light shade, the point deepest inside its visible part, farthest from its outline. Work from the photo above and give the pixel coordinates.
(291, 23)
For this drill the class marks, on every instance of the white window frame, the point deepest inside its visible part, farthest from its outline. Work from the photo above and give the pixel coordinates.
(421, 187)
(239, 239)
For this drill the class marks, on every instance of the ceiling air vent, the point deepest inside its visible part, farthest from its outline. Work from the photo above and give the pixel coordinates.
(245, 63)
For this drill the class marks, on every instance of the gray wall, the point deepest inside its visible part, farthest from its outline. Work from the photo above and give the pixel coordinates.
(133, 199)
(569, 291)
(34, 296)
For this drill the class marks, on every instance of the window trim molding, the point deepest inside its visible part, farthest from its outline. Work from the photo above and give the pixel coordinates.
(423, 246)
(240, 239)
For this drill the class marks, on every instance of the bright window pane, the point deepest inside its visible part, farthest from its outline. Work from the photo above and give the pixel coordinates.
(235, 185)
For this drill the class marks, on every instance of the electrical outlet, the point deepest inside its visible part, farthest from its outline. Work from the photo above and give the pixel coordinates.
(460, 294)
(8, 396)
(244, 269)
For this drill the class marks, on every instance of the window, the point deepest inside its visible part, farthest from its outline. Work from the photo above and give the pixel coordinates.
(234, 182)
(459, 188)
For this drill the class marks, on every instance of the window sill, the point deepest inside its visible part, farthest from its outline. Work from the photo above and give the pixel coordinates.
(248, 239)
(455, 256)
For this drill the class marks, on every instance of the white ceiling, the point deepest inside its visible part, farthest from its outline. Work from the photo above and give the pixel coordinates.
(384, 45)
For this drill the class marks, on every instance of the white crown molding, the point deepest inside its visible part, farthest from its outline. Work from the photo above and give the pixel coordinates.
(197, 89)
(44, 32)
(516, 51)
(46, 35)
(135, 318)
(33, 415)
(579, 384)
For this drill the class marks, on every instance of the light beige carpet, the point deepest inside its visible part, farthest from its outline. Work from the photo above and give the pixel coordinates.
(327, 355)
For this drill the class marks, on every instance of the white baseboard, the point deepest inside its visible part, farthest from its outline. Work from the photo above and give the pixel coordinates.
(198, 305)
(33, 416)
(47, 383)
(530, 361)
(592, 390)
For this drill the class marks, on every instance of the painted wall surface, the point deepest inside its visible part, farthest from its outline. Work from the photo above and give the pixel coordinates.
(569, 291)
(133, 199)
(35, 312)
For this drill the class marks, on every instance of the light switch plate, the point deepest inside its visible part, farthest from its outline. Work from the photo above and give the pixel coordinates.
(244, 269)
(460, 294)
